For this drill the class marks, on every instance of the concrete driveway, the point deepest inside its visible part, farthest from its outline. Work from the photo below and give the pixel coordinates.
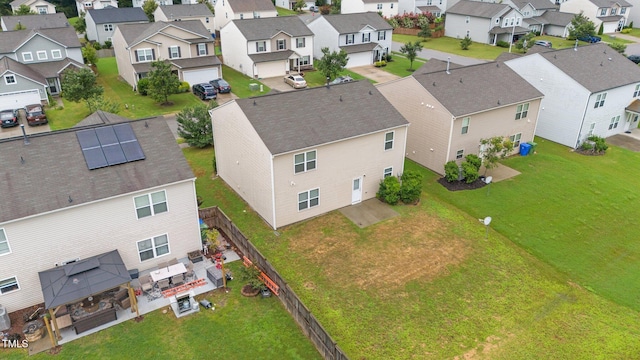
(276, 84)
(16, 131)
(376, 74)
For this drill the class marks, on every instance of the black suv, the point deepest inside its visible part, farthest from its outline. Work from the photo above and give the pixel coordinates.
(8, 118)
(204, 91)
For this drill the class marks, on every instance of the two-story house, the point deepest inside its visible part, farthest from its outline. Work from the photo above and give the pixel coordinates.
(613, 15)
(267, 47)
(138, 3)
(71, 198)
(451, 110)
(365, 37)
(486, 23)
(329, 149)
(227, 10)
(602, 84)
(38, 6)
(85, 5)
(198, 12)
(102, 23)
(32, 62)
(187, 45)
(388, 8)
(44, 21)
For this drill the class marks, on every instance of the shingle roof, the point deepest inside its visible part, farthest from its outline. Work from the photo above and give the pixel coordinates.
(353, 49)
(17, 3)
(178, 11)
(134, 33)
(434, 65)
(101, 118)
(6, 63)
(378, 1)
(556, 18)
(55, 170)
(43, 21)
(118, 15)
(196, 62)
(266, 28)
(353, 23)
(242, 6)
(476, 88)
(430, 8)
(319, 115)
(10, 40)
(478, 9)
(537, 4)
(270, 56)
(610, 18)
(51, 69)
(610, 3)
(597, 67)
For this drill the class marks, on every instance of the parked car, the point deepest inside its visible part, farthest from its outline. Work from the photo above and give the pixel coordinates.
(634, 58)
(341, 79)
(297, 81)
(8, 118)
(544, 43)
(35, 115)
(590, 38)
(221, 86)
(314, 9)
(204, 91)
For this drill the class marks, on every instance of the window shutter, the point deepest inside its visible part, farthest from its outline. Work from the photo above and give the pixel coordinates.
(137, 56)
(179, 54)
(257, 47)
(169, 52)
(206, 49)
(153, 54)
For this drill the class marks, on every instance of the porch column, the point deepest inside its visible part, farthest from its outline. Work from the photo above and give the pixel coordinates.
(133, 299)
(52, 314)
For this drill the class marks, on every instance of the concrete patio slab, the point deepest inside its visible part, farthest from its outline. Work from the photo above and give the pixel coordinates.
(374, 73)
(629, 141)
(500, 172)
(368, 212)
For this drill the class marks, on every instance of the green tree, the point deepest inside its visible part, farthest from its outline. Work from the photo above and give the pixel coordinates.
(581, 26)
(524, 43)
(298, 5)
(410, 50)
(194, 125)
(601, 29)
(149, 7)
(81, 85)
(619, 47)
(89, 55)
(494, 149)
(425, 32)
(81, 24)
(101, 103)
(162, 82)
(209, 5)
(24, 10)
(19, 26)
(465, 43)
(332, 63)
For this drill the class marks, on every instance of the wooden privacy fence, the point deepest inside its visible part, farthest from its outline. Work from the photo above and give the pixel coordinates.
(311, 327)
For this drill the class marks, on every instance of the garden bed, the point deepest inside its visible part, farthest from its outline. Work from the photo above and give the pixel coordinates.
(461, 185)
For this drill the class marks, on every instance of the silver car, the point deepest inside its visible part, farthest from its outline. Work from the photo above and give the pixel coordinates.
(296, 81)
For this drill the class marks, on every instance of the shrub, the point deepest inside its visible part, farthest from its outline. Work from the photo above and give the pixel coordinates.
(389, 190)
(439, 28)
(600, 145)
(474, 160)
(631, 25)
(184, 87)
(625, 30)
(388, 58)
(451, 171)
(408, 22)
(394, 23)
(469, 172)
(107, 44)
(143, 86)
(411, 187)
(380, 63)
(502, 44)
(587, 146)
(465, 43)
(96, 45)
(618, 47)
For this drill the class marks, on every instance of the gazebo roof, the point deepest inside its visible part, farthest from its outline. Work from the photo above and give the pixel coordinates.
(64, 284)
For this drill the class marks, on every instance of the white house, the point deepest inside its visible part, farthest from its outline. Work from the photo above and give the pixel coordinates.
(486, 23)
(388, 8)
(613, 15)
(185, 12)
(85, 5)
(227, 10)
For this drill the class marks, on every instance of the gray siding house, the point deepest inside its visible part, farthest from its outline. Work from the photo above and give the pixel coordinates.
(102, 23)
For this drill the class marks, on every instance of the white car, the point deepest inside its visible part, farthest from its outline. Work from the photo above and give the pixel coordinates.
(296, 81)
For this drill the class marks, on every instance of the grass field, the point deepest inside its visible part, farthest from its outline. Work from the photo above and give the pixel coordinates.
(285, 12)
(452, 46)
(240, 83)
(401, 65)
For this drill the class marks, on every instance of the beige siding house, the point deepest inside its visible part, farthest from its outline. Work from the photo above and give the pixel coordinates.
(38, 6)
(450, 111)
(54, 209)
(296, 164)
(198, 12)
(228, 10)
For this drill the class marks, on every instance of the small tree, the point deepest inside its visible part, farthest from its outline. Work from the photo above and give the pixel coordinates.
(411, 187)
(619, 47)
(194, 125)
(24, 10)
(451, 171)
(601, 29)
(209, 5)
(425, 32)
(525, 42)
(81, 85)
(389, 190)
(298, 5)
(149, 7)
(410, 50)
(474, 160)
(81, 24)
(494, 149)
(465, 43)
(101, 103)
(581, 26)
(89, 55)
(162, 82)
(332, 63)
(251, 276)
(19, 26)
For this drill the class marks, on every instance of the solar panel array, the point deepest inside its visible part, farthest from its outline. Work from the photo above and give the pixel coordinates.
(109, 145)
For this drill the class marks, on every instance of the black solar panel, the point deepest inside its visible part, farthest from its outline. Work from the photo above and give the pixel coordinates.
(88, 139)
(124, 132)
(106, 135)
(132, 150)
(95, 158)
(109, 145)
(114, 154)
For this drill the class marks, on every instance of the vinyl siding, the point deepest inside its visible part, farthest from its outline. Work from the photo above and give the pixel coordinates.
(324, 36)
(39, 43)
(235, 49)
(124, 58)
(456, 27)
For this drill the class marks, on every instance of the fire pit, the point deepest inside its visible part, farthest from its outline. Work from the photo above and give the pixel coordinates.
(33, 330)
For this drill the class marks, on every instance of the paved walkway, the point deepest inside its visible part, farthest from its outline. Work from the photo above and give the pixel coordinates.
(376, 74)
(440, 55)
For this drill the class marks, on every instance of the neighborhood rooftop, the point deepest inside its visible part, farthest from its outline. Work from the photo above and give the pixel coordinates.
(299, 119)
(353, 23)
(41, 21)
(478, 9)
(117, 15)
(171, 11)
(471, 89)
(243, 6)
(537, 4)
(10, 40)
(266, 28)
(51, 173)
(134, 33)
(610, 3)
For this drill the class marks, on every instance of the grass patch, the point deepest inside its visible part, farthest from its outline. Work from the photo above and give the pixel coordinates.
(557, 42)
(452, 46)
(285, 12)
(68, 115)
(400, 65)
(614, 39)
(73, 20)
(635, 32)
(315, 78)
(240, 83)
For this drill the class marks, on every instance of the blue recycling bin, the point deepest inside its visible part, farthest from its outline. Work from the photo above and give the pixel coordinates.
(524, 149)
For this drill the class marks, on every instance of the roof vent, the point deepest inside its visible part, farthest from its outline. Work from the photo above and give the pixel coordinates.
(434, 83)
(554, 56)
(497, 65)
(461, 81)
(370, 93)
(448, 63)
(340, 98)
(600, 63)
(70, 199)
(21, 160)
(146, 124)
(498, 102)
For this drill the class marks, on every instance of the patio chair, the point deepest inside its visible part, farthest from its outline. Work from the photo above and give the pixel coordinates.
(173, 261)
(163, 284)
(146, 283)
(162, 265)
(177, 280)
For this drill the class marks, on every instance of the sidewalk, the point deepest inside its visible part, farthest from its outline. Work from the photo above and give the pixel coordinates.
(440, 55)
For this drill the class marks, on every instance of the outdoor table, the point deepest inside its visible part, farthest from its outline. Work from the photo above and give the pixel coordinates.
(167, 272)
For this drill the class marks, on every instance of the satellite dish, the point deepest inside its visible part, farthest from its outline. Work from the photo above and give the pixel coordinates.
(488, 179)
(487, 220)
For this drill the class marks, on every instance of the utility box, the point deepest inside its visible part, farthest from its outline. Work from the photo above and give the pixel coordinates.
(215, 275)
(5, 322)
(254, 87)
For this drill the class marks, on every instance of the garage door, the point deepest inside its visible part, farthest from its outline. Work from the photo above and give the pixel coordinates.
(200, 76)
(360, 59)
(272, 69)
(19, 99)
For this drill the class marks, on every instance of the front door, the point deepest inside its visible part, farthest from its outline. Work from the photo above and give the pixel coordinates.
(356, 190)
(53, 86)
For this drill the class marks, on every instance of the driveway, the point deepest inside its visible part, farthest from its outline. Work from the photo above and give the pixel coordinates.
(376, 74)
(435, 54)
(277, 84)
(16, 131)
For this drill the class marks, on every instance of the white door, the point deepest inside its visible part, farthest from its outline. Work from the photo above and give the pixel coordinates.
(200, 76)
(356, 190)
(19, 99)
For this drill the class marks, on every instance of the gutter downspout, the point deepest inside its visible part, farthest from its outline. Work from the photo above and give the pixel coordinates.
(584, 114)
(273, 196)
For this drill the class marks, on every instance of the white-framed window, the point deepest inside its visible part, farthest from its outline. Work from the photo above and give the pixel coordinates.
(459, 154)
(256, 15)
(10, 79)
(467, 33)
(592, 127)
(305, 60)
(174, 52)
(9, 285)
(392, 5)
(202, 49)
(521, 111)
(623, 11)
(41, 9)
(281, 44)
(154, 247)
(300, 42)
(108, 27)
(636, 92)
(600, 98)
(366, 37)
(27, 56)
(4, 243)
(506, 23)
(497, 21)
(42, 55)
(241, 16)
(512, 22)
(614, 11)
(261, 46)
(151, 204)
(429, 2)
(305, 161)
(88, 4)
(56, 54)
(382, 35)
(515, 139)
(144, 55)
(308, 199)
(387, 172)
(349, 38)
(379, 6)
(467, 19)
(206, 20)
(614, 122)
(465, 125)
(603, 12)
(518, 21)
(388, 140)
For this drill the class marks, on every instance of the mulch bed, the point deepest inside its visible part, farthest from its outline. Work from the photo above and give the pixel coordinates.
(589, 152)
(461, 185)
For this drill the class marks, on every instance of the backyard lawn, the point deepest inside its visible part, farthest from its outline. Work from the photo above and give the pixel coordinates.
(285, 12)
(452, 45)
(240, 83)
(400, 64)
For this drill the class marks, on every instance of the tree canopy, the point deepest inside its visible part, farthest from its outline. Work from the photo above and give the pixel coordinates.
(24, 10)
(81, 24)
(79, 85)
(332, 63)
(410, 50)
(162, 82)
(89, 55)
(149, 7)
(581, 26)
(194, 125)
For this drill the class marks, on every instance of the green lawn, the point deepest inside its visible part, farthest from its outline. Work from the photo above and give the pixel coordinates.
(614, 39)
(315, 78)
(400, 65)
(635, 32)
(285, 12)
(452, 46)
(73, 20)
(240, 83)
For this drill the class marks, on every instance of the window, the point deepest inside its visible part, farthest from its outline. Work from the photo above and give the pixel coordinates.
(154, 247)
(600, 100)
(366, 37)
(379, 7)
(151, 204)
(459, 154)
(506, 23)
(281, 44)
(466, 19)
(88, 5)
(382, 35)
(41, 9)
(202, 49)
(10, 79)
(300, 42)
(145, 55)
(261, 46)
(108, 27)
(497, 21)
(42, 55)
(206, 20)
(27, 56)
(613, 11)
(521, 111)
(614, 122)
(623, 11)
(4, 243)
(465, 125)
(387, 172)
(636, 92)
(174, 52)
(306, 60)
(241, 16)
(429, 2)
(603, 12)
(256, 15)
(56, 54)
(517, 21)
(349, 38)
(591, 128)
(304, 161)
(511, 22)
(515, 139)
(392, 5)
(9, 285)
(308, 199)
(388, 141)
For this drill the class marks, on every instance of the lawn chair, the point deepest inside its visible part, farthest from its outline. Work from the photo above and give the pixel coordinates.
(162, 265)
(146, 283)
(163, 284)
(173, 261)
(177, 280)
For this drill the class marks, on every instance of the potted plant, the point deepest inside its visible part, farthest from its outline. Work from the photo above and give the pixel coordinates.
(251, 276)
